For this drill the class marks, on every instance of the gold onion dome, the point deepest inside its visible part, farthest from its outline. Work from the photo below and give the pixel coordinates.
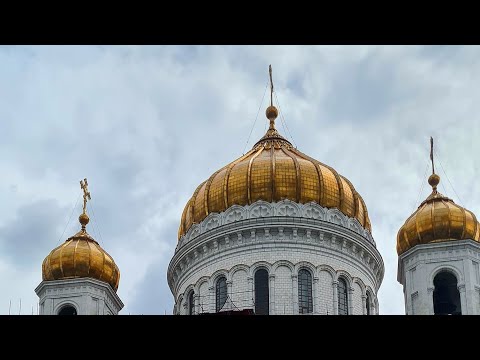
(80, 256)
(437, 219)
(273, 170)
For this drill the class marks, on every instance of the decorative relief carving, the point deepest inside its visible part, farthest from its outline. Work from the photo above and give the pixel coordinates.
(284, 208)
(260, 209)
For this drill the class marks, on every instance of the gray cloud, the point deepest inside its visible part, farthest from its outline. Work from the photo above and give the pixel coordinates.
(28, 238)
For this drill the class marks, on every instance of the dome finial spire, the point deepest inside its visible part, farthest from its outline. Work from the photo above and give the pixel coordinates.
(434, 179)
(271, 111)
(83, 218)
(271, 84)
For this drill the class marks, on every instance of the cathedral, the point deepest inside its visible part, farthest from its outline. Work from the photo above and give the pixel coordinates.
(278, 232)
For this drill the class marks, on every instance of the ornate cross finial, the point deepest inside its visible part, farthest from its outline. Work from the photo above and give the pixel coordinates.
(271, 85)
(431, 154)
(86, 194)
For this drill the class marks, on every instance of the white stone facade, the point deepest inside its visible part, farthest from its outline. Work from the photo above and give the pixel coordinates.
(283, 238)
(88, 297)
(418, 267)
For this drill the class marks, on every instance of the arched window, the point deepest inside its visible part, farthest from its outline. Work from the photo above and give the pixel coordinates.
(221, 293)
(67, 310)
(368, 303)
(342, 297)
(261, 292)
(446, 297)
(191, 303)
(305, 298)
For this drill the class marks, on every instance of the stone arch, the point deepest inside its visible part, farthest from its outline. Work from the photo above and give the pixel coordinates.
(344, 274)
(64, 303)
(260, 265)
(199, 283)
(448, 268)
(217, 274)
(328, 269)
(236, 268)
(306, 265)
(286, 263)
(359, 281)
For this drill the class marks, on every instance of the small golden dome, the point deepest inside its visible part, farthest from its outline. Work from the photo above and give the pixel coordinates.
(437, 219)
(273, 170)
(80, 256)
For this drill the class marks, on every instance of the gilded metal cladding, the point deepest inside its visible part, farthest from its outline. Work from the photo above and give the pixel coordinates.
(272, 171)
(437, 219)
(81, 256)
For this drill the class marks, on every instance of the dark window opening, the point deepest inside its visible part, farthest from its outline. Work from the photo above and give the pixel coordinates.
(305, 298)
(68, 310)
(342, 297)
(191, 303)
(221, 293)
(261, 293)
(446, 297)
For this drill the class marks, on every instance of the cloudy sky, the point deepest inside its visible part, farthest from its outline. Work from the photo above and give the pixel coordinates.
(147, 124)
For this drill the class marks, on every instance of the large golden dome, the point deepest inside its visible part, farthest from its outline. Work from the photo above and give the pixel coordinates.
(80, 256)
(273, 170)
(437, 219)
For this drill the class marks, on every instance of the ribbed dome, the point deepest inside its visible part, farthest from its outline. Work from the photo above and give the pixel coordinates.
(272, 171)
(80, 256)
(437, 219)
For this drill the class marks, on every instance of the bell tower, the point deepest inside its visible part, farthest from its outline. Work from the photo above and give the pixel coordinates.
(79, 277)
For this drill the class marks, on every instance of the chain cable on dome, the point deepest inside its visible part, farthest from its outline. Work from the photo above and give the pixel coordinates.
(282, 118)
(438, 158)
(256, 117)
(74, 207)
(415, 205)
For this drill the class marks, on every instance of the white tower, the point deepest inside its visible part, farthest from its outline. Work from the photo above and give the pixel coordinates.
(438, 257)
(275, 232)
(79, 277)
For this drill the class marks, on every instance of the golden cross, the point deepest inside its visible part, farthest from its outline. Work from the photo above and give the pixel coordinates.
(271, 85)
(431, 154)
(86, 194)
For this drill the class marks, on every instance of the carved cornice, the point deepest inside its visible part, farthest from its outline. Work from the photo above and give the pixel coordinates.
(284, 208)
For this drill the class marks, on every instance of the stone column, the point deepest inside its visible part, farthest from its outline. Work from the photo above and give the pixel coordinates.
(196, 302)
(316, 301)
(295, 294)
(229, 293)
(211, 304)
(430, 309)
(364, 305)
(335, 297)
(271, 291)
(463, 299)
(350, 300)
(251, 302)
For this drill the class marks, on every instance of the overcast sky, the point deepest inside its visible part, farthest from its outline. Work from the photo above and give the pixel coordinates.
(147, 124)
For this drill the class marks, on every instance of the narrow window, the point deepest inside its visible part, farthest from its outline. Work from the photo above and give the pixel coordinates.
(446, 297)
(221, 293)
(261, 292)
(191, 303)
(342, 297)
(305, 298)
